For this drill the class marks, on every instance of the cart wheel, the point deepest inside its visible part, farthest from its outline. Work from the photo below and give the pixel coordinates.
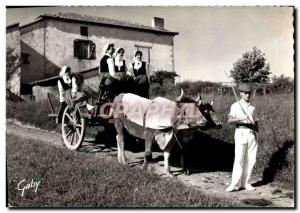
(73, 128)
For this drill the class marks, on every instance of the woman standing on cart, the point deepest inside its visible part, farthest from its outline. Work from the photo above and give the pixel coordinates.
(139, 72)
(107, 72)
(124, 80)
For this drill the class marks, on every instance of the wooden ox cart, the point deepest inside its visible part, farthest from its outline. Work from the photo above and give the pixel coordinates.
(75, 118)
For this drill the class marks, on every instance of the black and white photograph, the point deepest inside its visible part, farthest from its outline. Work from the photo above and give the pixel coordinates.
(160, 107)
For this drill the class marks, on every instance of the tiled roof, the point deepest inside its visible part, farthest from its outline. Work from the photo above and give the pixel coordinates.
(52, 81)
(12, 25)
(103, 21)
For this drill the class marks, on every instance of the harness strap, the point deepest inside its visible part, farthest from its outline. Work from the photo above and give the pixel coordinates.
(177, 138)
(181, 114)
(173, 127)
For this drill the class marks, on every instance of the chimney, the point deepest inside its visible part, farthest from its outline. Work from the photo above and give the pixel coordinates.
(158, 23)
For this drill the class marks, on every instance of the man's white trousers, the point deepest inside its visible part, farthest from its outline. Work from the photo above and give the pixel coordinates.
(245, 156)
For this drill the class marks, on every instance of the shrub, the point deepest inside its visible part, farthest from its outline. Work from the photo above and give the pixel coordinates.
(160, 76)
(32, 113)
(282, 84)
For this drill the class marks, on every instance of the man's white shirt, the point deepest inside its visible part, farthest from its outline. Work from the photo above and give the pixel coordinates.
(237, 112)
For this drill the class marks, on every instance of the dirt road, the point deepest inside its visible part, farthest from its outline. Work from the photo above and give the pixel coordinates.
(212, 183)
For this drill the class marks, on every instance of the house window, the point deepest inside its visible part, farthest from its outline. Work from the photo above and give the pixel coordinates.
(84, 31)
(84, 49)
(25, 58)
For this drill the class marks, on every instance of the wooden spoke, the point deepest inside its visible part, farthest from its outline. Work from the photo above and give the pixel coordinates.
(73, 129)
(70, 118)
(72, 139)
(75, 138)
(79, 125)
(77, 131)
(69, 133)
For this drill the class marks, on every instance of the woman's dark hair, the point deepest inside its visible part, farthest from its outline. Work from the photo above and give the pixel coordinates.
(68, 69)
(110, 46)
(138, 52)
(120, 50)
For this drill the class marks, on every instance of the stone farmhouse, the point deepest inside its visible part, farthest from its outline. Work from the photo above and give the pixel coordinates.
(54, 40)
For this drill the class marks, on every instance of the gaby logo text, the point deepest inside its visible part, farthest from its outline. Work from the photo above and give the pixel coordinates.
(23, 186)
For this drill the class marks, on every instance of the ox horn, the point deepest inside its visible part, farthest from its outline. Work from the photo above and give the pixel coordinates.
(212, 102)
(181, 95)
(198, 99)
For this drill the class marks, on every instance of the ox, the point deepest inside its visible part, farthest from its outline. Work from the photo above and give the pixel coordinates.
(162, 121)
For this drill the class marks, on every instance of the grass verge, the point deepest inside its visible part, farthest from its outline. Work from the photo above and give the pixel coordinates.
(75, 179)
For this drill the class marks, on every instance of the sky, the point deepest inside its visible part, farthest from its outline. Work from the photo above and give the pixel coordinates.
(210, 39)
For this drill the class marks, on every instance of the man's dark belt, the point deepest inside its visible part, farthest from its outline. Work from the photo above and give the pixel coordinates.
(245, 126)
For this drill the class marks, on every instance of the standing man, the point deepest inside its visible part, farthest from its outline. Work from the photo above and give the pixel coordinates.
(242, 114)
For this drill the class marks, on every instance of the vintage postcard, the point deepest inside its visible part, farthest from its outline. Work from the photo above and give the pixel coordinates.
(150, 107)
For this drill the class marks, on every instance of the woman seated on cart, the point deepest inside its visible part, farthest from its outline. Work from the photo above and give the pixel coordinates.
(69, 91)
(114, 78)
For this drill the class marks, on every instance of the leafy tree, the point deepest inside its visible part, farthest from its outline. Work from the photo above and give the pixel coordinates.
(252, 67)
(13, 62)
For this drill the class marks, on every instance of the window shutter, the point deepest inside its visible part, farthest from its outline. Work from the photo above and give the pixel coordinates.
(76, 48)
(92, 50)
(84, 49)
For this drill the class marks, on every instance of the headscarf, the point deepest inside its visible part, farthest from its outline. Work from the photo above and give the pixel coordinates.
(64, 70)
(105, 48)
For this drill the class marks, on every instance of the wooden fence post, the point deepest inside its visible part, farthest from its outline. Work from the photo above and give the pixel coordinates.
(264, 90)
